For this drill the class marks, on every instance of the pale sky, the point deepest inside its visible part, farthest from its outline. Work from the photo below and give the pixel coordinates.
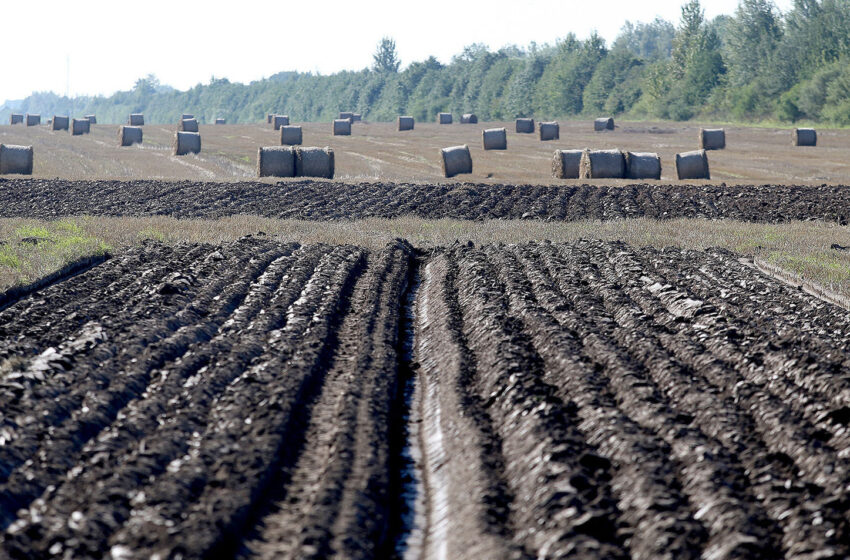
(111, 43)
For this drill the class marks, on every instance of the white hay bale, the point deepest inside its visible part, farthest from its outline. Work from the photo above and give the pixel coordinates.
(220, 120)
(33, 120)
(342, 127)
(604, 123)
(91, 118)
(468, 118)
(805, 137)
(712, 138)
(279, 121)
(525, 126)
(643, 165)
(567, 164)
(346, 115)
(456, 160)
(15, 159)
(136, 119)
(314, 162)
(59, 122)
(602, 164)
(356, 117)
(290, 136)
(692, 165)
(549, 131)
(80, 126)
(405, 123)
(186, 143)
(16, 118)
(185, 116)
(276, 161)
(444, 118)
(188, 125)
(129, 135)
(495, 139)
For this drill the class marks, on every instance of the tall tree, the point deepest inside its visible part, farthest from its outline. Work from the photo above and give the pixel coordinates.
(386, 57)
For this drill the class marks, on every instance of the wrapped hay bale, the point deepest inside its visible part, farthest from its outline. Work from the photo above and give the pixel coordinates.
(346, 115)
(59, 123)
(602, 164)
(444, 118)
(566, 164)
(712, 138)
(495, 139)
(269, 118)
(356, 117)
(136, 119)
(314, 162)
(805, 137)
(525, 126)
(80, 126)
(220, 120)
(468, 118)
(276, 161)
(605, 123)
(290, 135)
(91, 118)
(405, 123)
(16, 118)
(188, 125)
(185, 116)
(643, 165)
(15, 159)
(549, 131)
(456, 160)
(186, 143)
(692, 165)
(33, 120)
(279, 121)
(129, 135)
(342, 127)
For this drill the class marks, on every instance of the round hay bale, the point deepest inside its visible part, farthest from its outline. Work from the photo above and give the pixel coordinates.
(604, 123)
(185, 116)
(356, 117)
(80, 126)
(495, 139)
(279, 121)
(602, 164)
(186, 143)
(643, 165)
(220, 120)
(290, 136)
(269, 118)
(136, 119)
(91, 118)
(692, 165)
(566, 164)
(805, 137)
(188, 125)
(525, 126)
(405, 123)
(549, 131)
(342, 127)
(314, 162)
(468, 118)
(456, 160)
(15, 159)
(16, 118)
(276, 161)
(33, 120)
(712, 138)
(59, 123)
(346, 115)
(129, 135)
(444, 118)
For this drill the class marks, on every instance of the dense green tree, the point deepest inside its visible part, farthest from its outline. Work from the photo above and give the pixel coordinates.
(386, 57)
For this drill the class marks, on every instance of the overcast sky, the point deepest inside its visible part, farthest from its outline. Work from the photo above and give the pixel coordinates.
(108, 44)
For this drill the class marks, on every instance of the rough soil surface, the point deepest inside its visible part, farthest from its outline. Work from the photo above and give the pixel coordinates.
(585, 400)
(318, 200)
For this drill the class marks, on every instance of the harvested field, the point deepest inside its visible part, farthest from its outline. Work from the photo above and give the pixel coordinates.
(586, 398)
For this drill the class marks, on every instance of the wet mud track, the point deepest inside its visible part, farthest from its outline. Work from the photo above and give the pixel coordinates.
(316, 200)
(584, 400)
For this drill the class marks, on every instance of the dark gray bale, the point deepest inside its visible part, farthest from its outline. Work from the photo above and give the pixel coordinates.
(342, 127)
(525, 126)
(602, 164)
(185, 116)
(549, 131)
(80, 126)
(16, 118)
(136, 119)
(91, 118)
(220, 120)
(129, 135)
(290, 135)
(279, 121)
(712, 138)
(15, 159)
(405, 123)
(33, 120)
(269, 118)
(186, 143)
(456, 160)
(346, 115)
(314, 162)
(604, 123)
(356, 117)
(468, 118)
(805, 137)
(444, 118)
(188, 125)
(643, 165)
(692, 165)
(567, 164)
(276, 161)
(59, 122)
(495, 139)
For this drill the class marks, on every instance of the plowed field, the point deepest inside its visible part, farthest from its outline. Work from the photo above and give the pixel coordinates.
(258, 399)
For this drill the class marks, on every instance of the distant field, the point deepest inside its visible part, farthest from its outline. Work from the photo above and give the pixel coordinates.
(377, 151)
